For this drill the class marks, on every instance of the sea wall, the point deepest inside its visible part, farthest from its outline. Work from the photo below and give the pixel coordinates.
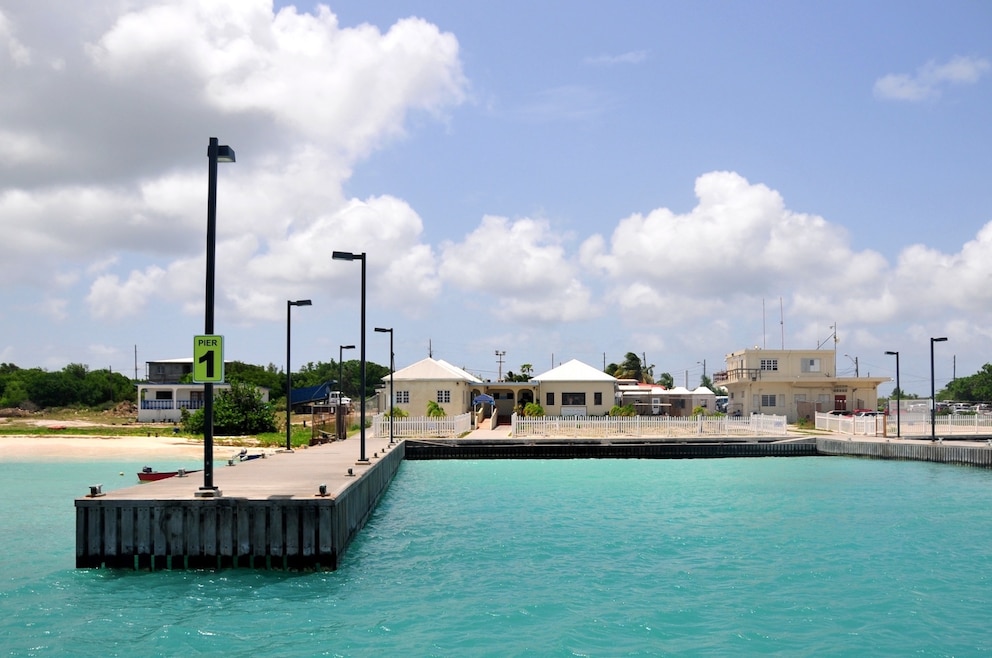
(265, 532)
(958, 452)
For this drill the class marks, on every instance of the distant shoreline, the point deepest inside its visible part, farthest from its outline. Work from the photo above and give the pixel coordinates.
(67, 447)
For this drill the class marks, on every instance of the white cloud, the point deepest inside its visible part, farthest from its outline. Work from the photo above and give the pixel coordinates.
(631, 57)
(348, 88)
(16, 51)
(930, 79)
(522, 264)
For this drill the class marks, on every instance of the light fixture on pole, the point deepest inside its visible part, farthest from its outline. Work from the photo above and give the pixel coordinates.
(341, 349)
(898, 394)
(289, 369)
(392, 367)
(854, 360)
(215, 153)
(933, 391)
(347, 255)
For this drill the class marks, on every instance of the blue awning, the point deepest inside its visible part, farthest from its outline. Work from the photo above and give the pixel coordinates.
(482, 397)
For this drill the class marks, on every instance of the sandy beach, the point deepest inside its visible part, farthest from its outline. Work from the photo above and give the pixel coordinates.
(21, 448)
(62, 444)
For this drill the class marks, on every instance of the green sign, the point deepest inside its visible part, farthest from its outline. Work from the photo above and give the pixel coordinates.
(208, 359)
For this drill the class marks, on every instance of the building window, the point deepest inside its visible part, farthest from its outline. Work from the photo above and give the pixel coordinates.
(799, 397)
(402, 397)
(163, 395)
(443, 397)
(550, 399)
(811, 365)
(768, 400)
(769, 364)
(573, 399)
(597, 398)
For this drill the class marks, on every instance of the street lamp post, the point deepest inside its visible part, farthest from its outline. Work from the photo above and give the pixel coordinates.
(215, 153)
(392, 367)
(289, 368)
(933, 391)
(347, 255)
(341, 349)
(898, 394)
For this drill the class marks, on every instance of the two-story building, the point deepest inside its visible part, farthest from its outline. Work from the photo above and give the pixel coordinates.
(793, 383)
(163, 397)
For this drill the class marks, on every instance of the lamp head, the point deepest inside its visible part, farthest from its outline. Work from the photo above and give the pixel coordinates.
(383, 330)
(347, 347)
(892, 353)
(938, 340)
(301, 302)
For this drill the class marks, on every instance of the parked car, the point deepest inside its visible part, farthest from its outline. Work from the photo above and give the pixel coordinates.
(867, 412)
(839, 412)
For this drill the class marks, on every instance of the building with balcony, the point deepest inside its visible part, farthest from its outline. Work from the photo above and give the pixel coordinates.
(793, 383)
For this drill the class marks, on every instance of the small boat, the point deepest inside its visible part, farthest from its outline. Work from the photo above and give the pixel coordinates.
(148, 474)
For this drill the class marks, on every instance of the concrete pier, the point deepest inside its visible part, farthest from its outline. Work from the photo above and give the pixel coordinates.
(971, 452)
(270, 514)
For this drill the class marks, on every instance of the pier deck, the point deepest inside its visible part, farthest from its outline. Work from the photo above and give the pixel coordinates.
(269, 514)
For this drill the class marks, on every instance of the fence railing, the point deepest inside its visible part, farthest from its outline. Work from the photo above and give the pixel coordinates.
(909, 424)
(172, 404)
(423, 426)
(648, 426)
(917, 423)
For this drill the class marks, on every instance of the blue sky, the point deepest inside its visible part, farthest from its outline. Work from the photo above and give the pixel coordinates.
(552, 180)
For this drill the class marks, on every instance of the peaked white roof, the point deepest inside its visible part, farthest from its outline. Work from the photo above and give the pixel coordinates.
(702, 390)
(679, 390)
(433, 369)
(574, 371)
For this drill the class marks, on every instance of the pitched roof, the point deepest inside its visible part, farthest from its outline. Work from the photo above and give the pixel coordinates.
(574, 371)
(433, 370)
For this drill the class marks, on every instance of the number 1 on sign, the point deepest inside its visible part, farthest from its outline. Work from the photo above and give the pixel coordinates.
(208, 358)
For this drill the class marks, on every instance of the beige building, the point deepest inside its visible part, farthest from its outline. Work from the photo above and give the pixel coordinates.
(571, 389)
(793, 383)
(430, 380)
(576, 389)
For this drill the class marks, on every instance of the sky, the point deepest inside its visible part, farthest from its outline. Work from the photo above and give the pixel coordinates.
(530, 182)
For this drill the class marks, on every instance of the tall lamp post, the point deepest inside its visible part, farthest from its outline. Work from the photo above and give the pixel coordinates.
(392, 367)
(215, 153)
(341, 349)
(289, 368)
(933, 391)
(347, 255)
(898, 394)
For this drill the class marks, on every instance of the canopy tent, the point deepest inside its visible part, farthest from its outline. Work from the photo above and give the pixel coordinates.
(483, 398)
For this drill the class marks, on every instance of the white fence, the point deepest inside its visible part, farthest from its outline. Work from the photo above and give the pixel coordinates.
(648, 426)
(424, 426)
(909, 424)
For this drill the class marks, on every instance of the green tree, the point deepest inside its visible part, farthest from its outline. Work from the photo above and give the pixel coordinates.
(665, 379)
(238, 410)
(435, 410)
(533, 409)
(631, 368)
(973, 388)
(625, 410)
(526, 372)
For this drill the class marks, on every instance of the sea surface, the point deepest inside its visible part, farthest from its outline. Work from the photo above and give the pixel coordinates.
(723, 557)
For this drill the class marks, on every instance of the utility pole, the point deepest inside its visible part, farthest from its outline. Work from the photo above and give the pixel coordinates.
(499, 357)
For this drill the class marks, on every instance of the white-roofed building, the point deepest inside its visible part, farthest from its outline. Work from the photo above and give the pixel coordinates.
(431, 380)
(576, 389)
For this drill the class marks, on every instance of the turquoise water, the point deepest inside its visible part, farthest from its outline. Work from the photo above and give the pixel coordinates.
(791, 557)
